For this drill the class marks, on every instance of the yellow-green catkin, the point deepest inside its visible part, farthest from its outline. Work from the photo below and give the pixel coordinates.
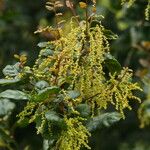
(129, 2)
(31, 113)
(81, 60)
(84, 64)
(147, 11)
(122, 88)
(78, 59)
(75, 137)
(143, 111)
(143, 114)
(89, 76)
(28, 110)
(117, 91)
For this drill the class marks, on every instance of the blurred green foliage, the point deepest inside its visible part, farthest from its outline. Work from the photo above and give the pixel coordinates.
(18, 21)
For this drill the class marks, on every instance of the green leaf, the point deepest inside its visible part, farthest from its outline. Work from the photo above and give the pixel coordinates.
(41, 85)
(50, 90)
(45, 93)
(112, 64)
(103, 120)
(73, 94)
(109, 34)
(42, 44)
(46, 52)
(14, 94)
(8, 81)
(52, 116)
(6, 106)
(84, 110)
(11, 70)
(47, 144)
(17, 66)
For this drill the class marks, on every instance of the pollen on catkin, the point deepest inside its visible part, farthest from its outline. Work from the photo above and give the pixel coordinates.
(75, 137)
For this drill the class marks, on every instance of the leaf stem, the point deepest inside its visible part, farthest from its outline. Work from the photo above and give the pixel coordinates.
(86, 15)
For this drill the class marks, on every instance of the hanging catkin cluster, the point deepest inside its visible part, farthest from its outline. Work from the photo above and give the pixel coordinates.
(75, 137)
(70, 69)
(78, 60)
(73, 82)
(129, 2)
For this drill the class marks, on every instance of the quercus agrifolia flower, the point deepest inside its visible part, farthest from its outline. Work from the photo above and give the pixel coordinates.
(74, 80)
